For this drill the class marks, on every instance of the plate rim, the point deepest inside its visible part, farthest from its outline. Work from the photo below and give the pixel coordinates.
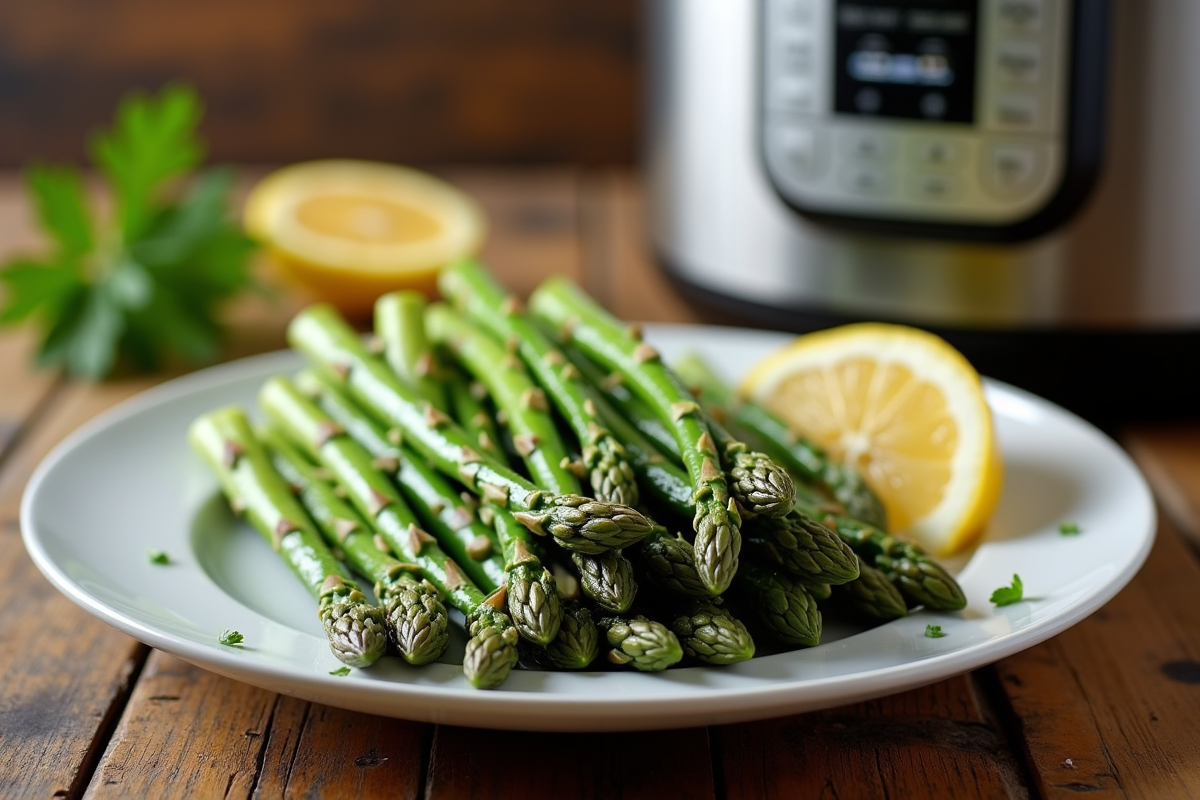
(500, 709)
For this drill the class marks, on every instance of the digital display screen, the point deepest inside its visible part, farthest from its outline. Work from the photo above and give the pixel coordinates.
(907, 58)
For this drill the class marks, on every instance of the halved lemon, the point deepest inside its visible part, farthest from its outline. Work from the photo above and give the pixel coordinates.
(353, 230)
(906, 409)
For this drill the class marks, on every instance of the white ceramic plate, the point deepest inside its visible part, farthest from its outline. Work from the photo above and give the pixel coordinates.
(127, 483)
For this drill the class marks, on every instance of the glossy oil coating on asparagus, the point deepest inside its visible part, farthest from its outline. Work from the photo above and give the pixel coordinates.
(224, 438)
(562, 306)
(416, 620)
(400, 329)
(474, 292)
(493, 636)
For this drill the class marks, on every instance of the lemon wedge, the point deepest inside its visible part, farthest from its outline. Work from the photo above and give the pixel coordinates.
(352, 230)
(907, 410)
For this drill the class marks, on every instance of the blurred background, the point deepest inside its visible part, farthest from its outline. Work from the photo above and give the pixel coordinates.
(471, 81)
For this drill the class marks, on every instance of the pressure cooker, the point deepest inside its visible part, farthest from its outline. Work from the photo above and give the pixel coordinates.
(1020, 176)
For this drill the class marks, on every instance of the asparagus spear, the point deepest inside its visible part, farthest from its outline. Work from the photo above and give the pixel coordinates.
(784, 443)
(578, 641)
(224, 439)
(475, 293)
(918, 577)
(578, 522)
(782, 605)
(467, 404)
(641, 643)
(658, 475)
(607, 579)
(515, 394)
(709, 634)
(760, 486)
(669, 562)
(414, 616)
(443, 511)
(400, 326)
(561, 305)
(872, 595)
(802, 547)
(532, 598)
(491, 651)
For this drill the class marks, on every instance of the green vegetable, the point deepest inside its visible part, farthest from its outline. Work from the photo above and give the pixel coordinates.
(1069, 529)
(934, 632)
(341, 672)
(147, 285)
(709, 634)
(578, 523)
(229, 637)
(476, 294)
(1007, 595)
(560, 304)
(414, 617)
(607, 579)
(224, 439)
(158, 557)
(766, 431)
(641, 643)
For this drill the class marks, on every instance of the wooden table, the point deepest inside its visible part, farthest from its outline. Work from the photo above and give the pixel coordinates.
(1110, 708)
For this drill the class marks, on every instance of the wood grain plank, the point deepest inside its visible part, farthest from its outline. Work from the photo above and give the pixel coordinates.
(1117, 694)
(533, 82)
(480, 765)
(622, 272)
(54, 703)
(534, 219)
(933, 742)
(190, 733)
(1169, 455)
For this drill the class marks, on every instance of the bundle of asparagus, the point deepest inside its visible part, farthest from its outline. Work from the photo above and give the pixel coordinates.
(446, 460)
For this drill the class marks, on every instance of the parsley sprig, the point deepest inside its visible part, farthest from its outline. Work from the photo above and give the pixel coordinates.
(1007, 595)
(142, 283)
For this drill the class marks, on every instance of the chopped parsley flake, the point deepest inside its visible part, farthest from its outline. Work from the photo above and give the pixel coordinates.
(230, 637)
(341, 672)
(1007, 595)
(934, 632)
(158, 557)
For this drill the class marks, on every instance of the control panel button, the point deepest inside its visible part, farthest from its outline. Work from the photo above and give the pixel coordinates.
(1019, 61)
(1024, 16)
(797, 54)
(935, 187)
(1011, 168)
(798, 149)
(1017, 110)
(796, 12)
(937, 153)
(795, 93)
(867, 181)
(866, 147)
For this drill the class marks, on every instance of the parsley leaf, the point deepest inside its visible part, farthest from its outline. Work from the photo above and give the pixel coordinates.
(230, 637)
(1069, 529)
(934, 631)
(341, 672)
(1007, 595)
(158, 557)
(150, 289)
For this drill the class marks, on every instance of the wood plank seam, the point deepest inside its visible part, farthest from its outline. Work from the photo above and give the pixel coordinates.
(998, 708)
(131, 670)
(13, 432)
(260, 759)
